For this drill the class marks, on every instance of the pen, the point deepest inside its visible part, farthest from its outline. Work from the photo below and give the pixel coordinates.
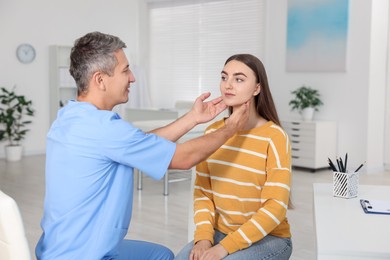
(341, 164)
(345, 162)
(361, 165)
(338, 164)
(332, 165)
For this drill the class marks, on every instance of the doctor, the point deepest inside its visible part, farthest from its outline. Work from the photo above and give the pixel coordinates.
(91, 154)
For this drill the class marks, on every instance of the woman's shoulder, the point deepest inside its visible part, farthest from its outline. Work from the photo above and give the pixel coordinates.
(272, 130)
(277, 128)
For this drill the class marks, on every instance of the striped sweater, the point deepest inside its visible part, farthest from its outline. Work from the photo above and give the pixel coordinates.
(243, 189)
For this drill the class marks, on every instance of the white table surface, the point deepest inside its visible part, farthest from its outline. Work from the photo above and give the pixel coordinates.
(344, 231)
(149, 125)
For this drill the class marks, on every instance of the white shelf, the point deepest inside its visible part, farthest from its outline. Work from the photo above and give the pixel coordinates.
(312, 142)
(62, 85)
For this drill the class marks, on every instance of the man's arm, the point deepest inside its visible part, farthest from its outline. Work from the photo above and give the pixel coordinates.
(194, 151)
(201, 112)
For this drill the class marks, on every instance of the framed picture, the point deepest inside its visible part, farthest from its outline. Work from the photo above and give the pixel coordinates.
(317, 35)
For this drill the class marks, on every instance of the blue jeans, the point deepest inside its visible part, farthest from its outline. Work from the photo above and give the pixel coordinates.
(270, 247)
(137, 250)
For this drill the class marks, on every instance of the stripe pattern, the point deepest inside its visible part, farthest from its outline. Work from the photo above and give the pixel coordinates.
(243, 188)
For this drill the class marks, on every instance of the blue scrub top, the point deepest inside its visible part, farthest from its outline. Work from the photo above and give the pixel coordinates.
(90, 157)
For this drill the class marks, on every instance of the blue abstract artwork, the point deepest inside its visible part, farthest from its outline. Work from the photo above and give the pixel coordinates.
(317, 35)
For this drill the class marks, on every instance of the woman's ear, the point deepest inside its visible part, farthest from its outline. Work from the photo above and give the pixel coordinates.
(257, 90)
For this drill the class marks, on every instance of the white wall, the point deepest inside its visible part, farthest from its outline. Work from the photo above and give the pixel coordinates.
(348, 96)
(43, 23)
(377, 77)
(387, 111)
(353, 98)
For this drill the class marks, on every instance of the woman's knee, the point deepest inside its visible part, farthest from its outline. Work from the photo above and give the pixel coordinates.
(269, 248)
(279, 248)
(184, 253)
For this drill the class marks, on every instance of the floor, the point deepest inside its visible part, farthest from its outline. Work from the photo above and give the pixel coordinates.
(163, 219)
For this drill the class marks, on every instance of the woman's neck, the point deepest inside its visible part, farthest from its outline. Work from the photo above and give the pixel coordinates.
(255, 120)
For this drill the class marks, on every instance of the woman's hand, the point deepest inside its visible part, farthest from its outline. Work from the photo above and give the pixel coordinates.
(203, 111)
(217, 252)
(199, 248)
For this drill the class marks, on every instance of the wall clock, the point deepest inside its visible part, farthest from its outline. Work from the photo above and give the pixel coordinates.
(25, 53)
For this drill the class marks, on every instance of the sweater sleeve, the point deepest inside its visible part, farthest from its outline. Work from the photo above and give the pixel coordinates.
(274, 197)
(204, 209)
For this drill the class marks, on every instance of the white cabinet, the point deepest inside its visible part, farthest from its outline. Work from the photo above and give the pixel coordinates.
(62, 84)
(312, 142)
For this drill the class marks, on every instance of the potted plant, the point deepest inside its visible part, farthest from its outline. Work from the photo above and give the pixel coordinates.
(306, 101)
(13, 110)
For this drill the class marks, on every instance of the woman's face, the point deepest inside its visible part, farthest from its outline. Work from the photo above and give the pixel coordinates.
(238, 83)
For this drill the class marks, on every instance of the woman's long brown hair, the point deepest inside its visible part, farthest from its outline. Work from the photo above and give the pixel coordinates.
(264, 103)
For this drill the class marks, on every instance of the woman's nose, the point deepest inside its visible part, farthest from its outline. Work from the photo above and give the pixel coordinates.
(228, 85)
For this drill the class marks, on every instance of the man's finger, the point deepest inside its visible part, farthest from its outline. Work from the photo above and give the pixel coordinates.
(216, 100)
(204, 96)
(221, 107)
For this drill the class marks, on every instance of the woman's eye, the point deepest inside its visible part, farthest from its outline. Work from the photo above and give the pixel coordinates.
(223, 78)
(239, 80)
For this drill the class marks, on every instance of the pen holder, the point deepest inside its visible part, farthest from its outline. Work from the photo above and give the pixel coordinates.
(345, 185)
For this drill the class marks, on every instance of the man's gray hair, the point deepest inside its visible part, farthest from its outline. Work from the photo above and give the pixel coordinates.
(91, 53)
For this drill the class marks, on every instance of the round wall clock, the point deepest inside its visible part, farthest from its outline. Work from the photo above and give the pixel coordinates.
(25, 53)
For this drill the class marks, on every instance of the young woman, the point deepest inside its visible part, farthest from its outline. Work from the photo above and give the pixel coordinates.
(242, 191)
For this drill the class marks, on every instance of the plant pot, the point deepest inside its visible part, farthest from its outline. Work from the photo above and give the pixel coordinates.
(13, 153)
(307, 114)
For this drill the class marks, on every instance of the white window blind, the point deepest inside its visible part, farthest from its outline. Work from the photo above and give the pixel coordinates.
(189, 41)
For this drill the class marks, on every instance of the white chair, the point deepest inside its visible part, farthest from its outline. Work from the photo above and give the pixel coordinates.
(135, 116)
(153, 117)
(13, 242)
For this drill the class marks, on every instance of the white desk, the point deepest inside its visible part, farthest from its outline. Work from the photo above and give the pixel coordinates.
(149, 125)
(344, 231)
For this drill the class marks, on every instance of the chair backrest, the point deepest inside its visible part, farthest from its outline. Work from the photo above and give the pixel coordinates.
(13, 242)
(146, 114)
(183, 106)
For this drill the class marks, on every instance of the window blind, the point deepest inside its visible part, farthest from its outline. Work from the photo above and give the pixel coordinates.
(189, 41)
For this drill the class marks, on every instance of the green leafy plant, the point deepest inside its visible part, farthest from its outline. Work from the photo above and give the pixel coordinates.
(13, 109)
(305, 97)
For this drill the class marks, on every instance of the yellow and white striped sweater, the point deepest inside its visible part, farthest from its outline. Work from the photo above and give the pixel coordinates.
(243, 189)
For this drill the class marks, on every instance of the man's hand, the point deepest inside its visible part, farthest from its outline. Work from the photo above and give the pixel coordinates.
(203, 112)
(239, 118)
(199, 248)
(217, 252)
